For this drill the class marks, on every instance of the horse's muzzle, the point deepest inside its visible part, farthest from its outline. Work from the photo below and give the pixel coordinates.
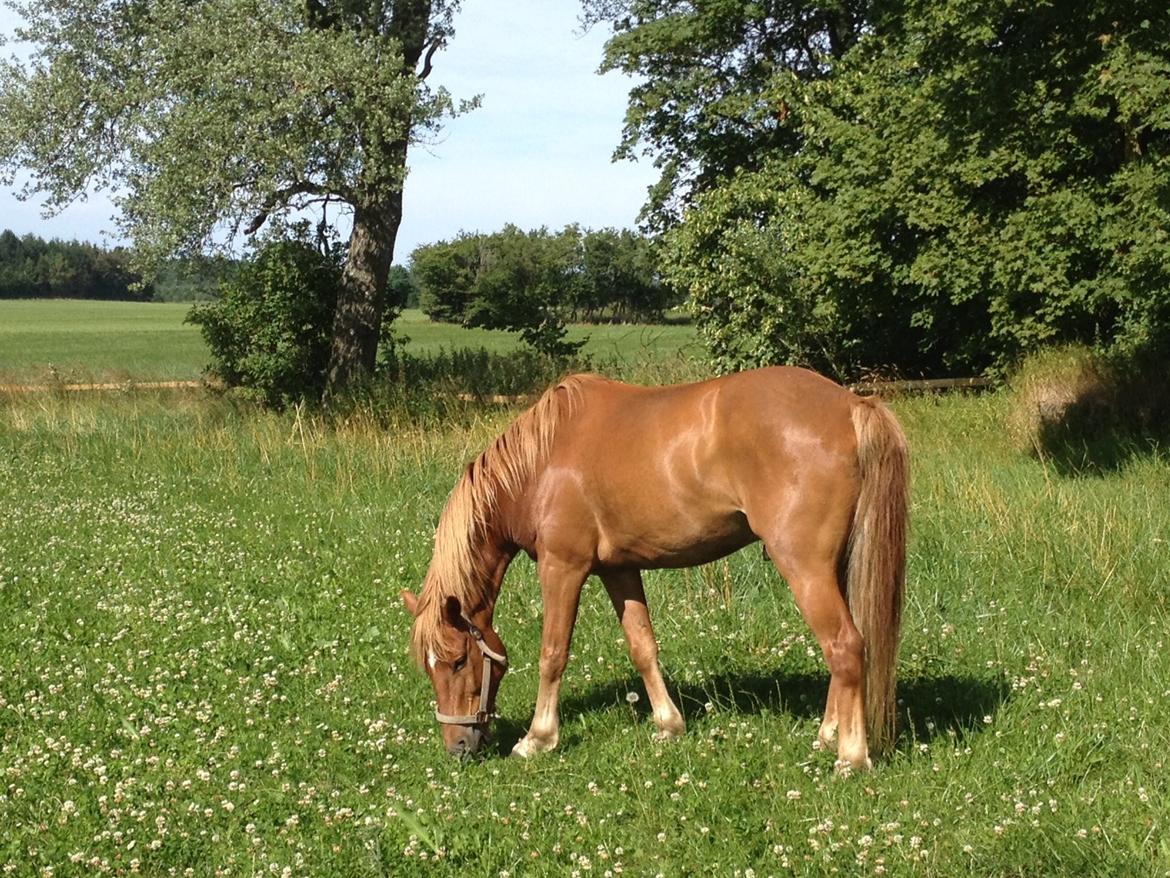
(469, 741)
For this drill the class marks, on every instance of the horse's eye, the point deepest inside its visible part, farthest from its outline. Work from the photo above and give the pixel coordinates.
(460, 664)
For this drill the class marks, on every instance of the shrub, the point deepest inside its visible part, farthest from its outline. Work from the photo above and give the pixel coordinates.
(269, 330)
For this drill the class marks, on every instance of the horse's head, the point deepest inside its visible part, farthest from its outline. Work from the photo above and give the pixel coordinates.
(465, 665)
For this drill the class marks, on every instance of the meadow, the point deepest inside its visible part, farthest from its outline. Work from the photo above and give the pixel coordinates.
(72, 340)
(203, 668)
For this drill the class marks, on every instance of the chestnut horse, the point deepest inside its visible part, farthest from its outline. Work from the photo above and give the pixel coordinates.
(608, 478)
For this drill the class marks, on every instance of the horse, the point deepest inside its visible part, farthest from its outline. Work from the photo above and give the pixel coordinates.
(606, 478)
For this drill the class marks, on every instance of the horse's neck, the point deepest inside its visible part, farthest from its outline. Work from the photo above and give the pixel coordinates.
(498, 559)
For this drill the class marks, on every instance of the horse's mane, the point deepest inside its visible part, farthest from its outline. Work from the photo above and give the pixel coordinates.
(457, 566)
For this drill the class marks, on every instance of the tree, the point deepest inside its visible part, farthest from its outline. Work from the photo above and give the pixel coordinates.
(704, 71)
(971, 180)
(31, 267)
(208, 117)
(619, 273)
(446, 272)
(401, 289)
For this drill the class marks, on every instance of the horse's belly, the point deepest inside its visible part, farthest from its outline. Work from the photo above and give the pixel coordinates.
(677, 542)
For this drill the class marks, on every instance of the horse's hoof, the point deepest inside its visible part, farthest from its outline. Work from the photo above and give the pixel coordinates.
(670, 733)
(844, 767)
(527, 747)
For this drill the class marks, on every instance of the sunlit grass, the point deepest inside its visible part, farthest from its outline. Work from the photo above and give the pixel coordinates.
(203, 668)
(80, 341)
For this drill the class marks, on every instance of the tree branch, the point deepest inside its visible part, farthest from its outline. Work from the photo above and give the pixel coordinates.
(282, 196)
(431, 49)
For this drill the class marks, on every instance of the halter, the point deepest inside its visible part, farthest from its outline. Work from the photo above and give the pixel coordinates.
(482, 715)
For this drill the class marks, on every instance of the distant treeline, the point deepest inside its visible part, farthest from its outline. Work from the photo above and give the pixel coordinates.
(510, 277)
(33, 268)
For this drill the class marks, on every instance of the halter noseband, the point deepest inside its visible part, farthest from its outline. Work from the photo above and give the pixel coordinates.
(482, 715)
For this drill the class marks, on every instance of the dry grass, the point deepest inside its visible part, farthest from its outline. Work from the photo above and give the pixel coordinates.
(1061, 395)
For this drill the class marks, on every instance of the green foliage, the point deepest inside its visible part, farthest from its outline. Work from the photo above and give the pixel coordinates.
(192, 279)
(401, 290)
(511, 280)
(969, 182)
(702, 71)
(446, 274)
(616, 276)
(269, 331)
(33, 268)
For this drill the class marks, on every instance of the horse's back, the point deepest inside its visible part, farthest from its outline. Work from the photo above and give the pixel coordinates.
(678, 475)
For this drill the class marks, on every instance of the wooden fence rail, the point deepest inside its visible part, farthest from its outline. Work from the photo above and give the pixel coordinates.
(865, 387)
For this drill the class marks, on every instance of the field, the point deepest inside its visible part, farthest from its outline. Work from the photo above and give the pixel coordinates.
(116, 341)
(78, 340)
(203, 669)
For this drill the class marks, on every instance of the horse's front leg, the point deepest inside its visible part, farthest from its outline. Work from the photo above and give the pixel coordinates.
(629, 600)
(560, 585)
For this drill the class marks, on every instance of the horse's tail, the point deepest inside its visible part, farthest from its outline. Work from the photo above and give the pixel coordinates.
(877, 560)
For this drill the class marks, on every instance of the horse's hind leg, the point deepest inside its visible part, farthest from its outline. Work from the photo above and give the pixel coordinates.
(560, 586)
(629, 600)
(820, 598)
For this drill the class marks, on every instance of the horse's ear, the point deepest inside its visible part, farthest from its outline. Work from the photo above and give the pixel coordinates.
(453, 613)
(411, 602)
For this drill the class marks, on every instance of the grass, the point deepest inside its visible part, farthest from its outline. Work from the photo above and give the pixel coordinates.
(86, 340)
(116, 341)
(203, 669)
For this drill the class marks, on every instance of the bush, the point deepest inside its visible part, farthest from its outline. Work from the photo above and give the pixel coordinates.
(269, 330)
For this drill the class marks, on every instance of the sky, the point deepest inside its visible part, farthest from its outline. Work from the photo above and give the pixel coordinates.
(536, 153)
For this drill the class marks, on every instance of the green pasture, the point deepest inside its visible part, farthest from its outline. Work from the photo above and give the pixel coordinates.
(79, 340)
(115, 341)
(203, 668)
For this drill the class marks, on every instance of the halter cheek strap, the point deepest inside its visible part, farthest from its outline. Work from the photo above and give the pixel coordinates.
(481, 716)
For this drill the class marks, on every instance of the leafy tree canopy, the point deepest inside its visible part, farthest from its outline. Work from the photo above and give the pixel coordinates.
(970, 180)
(31, 267)
(705, 70)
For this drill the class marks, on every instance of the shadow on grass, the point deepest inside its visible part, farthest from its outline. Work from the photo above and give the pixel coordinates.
(928, 707)
(1100, 455)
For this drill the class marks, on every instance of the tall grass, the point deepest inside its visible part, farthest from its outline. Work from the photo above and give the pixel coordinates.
(203, 668)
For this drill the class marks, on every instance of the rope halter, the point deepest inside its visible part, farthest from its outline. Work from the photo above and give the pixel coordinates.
(481, 716)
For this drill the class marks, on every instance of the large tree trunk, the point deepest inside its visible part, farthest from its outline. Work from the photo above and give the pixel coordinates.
(357, 321)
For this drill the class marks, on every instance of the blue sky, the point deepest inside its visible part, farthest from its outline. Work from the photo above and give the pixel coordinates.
(537, 152)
